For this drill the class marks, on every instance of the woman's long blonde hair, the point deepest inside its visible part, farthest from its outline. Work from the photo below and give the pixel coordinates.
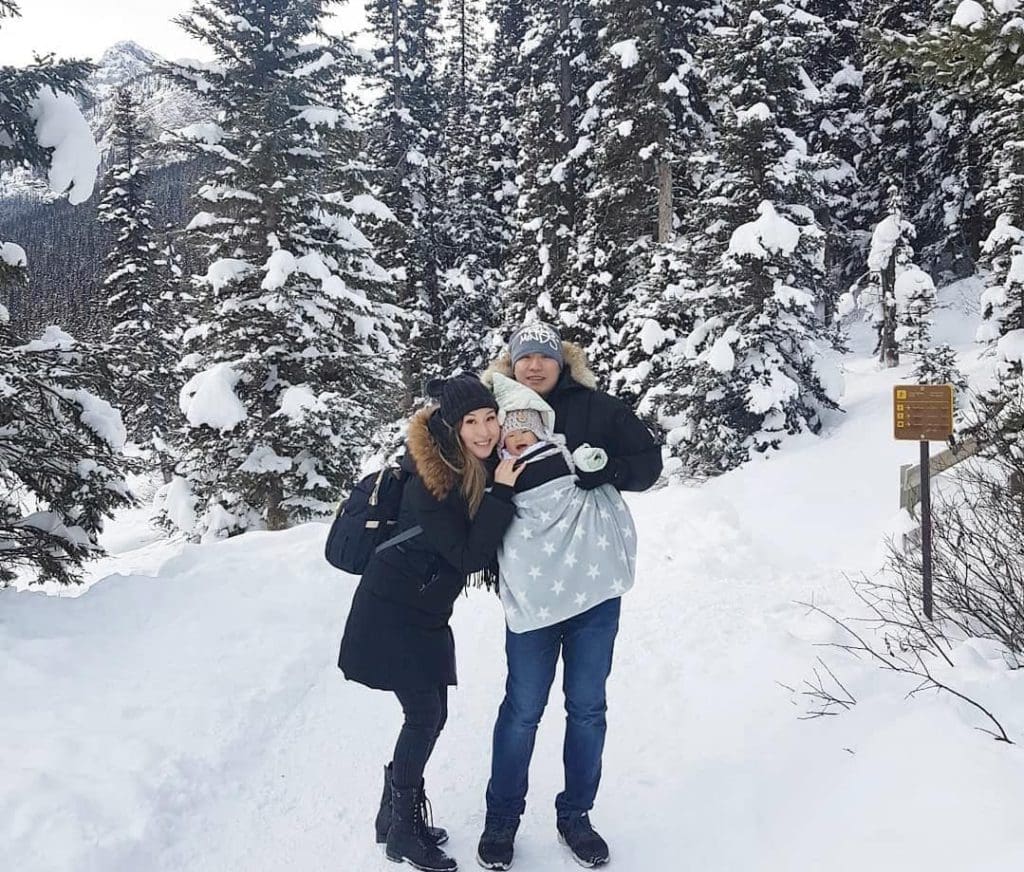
(471, 472)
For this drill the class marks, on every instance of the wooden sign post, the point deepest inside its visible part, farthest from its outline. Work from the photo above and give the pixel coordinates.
(924, 413)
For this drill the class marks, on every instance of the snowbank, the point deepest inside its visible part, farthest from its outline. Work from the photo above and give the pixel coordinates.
(184, 714)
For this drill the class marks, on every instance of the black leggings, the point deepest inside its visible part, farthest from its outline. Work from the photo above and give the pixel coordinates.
(425, 714)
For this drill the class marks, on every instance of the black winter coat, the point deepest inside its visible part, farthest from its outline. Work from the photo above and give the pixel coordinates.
(588, 415)
(397, 635)
(585, 414)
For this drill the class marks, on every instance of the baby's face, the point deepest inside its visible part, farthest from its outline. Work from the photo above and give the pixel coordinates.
(518, 441)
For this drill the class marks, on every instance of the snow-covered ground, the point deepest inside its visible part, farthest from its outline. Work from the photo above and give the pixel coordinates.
(184, 713)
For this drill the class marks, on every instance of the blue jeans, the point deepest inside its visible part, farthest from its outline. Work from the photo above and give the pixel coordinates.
(586, 642)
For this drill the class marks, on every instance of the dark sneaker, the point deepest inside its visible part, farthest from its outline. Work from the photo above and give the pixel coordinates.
(588, 848)
(495, 848)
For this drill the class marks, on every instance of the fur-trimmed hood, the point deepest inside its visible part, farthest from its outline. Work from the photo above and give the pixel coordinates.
(575, 361)
(437, 476)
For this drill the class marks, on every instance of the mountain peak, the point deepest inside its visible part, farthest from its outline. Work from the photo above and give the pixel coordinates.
(120, 64)
(126, 49)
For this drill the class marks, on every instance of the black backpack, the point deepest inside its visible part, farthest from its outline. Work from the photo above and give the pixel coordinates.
(366, 519)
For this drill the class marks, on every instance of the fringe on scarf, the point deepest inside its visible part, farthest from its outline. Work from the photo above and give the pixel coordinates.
(486, 578)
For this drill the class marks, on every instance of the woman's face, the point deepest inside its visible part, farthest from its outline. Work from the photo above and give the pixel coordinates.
(479, 432)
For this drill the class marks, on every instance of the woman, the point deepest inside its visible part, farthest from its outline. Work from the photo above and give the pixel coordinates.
(397, 636)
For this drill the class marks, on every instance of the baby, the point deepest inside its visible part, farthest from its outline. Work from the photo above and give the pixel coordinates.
(567, 549)
(526, 437)
(522, 429)
(526, 433)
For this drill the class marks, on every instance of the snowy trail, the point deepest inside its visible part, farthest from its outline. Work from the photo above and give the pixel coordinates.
(189, 718)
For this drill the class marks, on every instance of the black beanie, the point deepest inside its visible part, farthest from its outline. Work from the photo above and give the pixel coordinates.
(460, 395)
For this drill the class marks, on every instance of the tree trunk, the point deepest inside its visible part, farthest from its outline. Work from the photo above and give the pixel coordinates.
(564, 76)
(396, 57)
(277, 517)
(664, 201)
(888, 350)
(559, 247)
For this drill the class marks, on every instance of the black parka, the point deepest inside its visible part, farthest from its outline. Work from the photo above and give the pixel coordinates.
(397, 635)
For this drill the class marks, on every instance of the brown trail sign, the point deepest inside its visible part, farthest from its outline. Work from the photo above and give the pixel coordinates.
(924, 413)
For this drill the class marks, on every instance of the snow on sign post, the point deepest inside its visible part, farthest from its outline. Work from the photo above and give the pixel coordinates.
(924, 414)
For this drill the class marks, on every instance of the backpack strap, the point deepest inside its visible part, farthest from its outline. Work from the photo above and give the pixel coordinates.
(404, 536)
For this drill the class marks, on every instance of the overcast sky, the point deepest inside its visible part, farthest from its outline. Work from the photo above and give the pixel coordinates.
(85, 28)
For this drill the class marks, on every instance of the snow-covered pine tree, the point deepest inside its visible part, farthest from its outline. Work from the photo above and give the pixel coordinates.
(915, 304)
(899, 297)
(557, 55)
(646, 116)
(890, 251)
(139, 353)
(62, 470)
(174, 312)
(937, 366)
(756, 362)
(504, 76)
(472, 232)
(836, 88)
(61, 467)
(405, 127)
(977, 51)
(292, 361)
(925, 141)
(36, 99)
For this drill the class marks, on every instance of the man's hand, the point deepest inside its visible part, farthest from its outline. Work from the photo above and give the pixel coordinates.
(589, 459)
(606, 475)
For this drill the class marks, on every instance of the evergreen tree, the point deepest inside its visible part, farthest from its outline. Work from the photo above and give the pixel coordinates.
(552, 131)
(45, 88)
(754, 367)
(504, 77)
(915, 299)
(937, 366)
(890, 254)
(61, 468)
(980, 57)
(646, 116)
(835, 88)
(405, 127)
(925, 141)
(141, 356)
(291, 362)
(472, 228)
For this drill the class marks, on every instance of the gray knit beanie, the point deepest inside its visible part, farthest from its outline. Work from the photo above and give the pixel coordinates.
(536, 338)
(524, 419)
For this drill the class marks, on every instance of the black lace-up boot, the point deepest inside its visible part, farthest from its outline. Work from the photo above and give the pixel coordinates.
(407, 841)
(383, 823)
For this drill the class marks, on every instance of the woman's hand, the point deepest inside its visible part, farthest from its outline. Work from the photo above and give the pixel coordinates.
(507, 473)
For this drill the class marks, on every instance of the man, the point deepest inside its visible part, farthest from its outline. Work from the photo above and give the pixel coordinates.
(558, 371)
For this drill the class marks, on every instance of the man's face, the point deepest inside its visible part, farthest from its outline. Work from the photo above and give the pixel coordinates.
(537, 371)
